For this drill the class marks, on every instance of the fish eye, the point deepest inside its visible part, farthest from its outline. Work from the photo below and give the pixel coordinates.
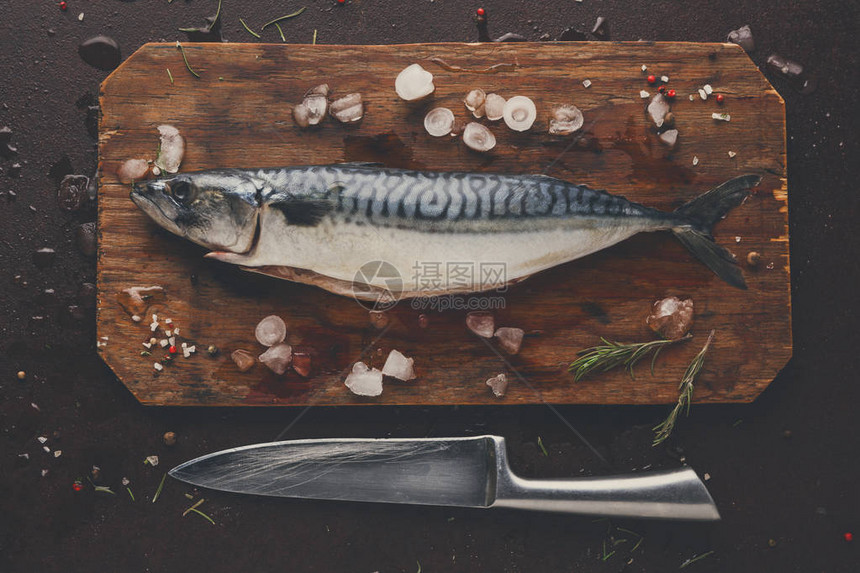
(180, 190)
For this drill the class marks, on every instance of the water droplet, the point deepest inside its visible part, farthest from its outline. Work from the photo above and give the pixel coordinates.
(101, 52)
(86, 239)
(87, 295)
(44, 257)
(72, 194)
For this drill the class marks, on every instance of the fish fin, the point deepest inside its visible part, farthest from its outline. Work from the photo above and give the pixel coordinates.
(709, 208)
(715, 257)
(703, 213)
(361, 164)
(303, 212)
(228, 257)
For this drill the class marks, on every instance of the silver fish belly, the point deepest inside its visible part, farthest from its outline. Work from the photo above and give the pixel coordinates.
(439, 230)
(448, 225)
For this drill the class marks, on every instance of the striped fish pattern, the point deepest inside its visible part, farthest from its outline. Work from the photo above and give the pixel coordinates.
(319, 224)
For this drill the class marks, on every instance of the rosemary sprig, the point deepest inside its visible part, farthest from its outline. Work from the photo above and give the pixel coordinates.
(314, 42)
(288, 16)
(685, 397)
(185, 58)
(128, 489)
(610, 355)
(250, 31)
(281, 32)
(169, 75)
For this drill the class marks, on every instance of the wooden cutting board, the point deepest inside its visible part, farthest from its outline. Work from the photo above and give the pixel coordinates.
(237, 114)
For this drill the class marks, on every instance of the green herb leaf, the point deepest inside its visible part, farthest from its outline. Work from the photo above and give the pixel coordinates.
(185, 58)
(542, 448)
(610, 355)
(160, 487)
(685, 397)
(250, 31)
(288, 16)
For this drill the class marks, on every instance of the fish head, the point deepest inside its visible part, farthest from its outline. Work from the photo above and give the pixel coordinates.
(217, 210)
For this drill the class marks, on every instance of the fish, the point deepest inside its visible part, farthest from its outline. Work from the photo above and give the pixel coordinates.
(434, 232)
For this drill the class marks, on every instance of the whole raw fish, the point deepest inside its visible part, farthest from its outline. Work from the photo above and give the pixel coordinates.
(319, 224)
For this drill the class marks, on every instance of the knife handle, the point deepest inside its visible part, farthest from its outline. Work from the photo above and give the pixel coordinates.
(671, 494)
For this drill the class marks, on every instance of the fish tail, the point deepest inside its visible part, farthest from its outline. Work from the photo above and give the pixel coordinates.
(703, 213)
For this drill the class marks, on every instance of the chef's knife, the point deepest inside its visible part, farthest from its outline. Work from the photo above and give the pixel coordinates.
(464, 472)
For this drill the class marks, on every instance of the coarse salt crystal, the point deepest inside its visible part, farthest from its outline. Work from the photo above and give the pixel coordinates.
(732, 154)
(168, 333)
(184, 345)
(176, 331)
(721, 116)
(154, 318)
(163, 342)
(42, 439)
(151, 460)
(664, 79)
(644, 95)
(46, 449)
(81, 17)
(692, 97)
(172, 341)
(586, 83)
(737, 239)
(168, 321)
(125, 481)
(703, 94)
(644, 68)
(147, 345)
(695, 160)
(192, 348)
(706, 477)
(153, 326)
(136, 318)
(44, 473)
(158, 366)
(708, 89)
(58, 453)
(185, 353)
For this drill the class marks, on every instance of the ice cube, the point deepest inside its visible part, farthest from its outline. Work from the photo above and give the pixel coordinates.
(277, 357)
(364, 382)
(498, 384)
(481, 323)
(398, 366)
(510, 339)
(742, 37)
(669, 137)
(657, 109)
(671, 317)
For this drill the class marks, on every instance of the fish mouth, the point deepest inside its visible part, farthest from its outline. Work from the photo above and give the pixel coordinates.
(152, 208)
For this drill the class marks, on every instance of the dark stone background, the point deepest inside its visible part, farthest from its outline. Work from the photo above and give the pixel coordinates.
(784, 469)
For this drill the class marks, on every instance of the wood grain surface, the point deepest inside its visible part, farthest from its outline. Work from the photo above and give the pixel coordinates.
(237, 114)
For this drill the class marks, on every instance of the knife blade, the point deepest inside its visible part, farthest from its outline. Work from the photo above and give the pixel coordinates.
(463, 472)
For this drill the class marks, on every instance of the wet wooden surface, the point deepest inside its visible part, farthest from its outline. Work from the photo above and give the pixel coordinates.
(237, 114)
